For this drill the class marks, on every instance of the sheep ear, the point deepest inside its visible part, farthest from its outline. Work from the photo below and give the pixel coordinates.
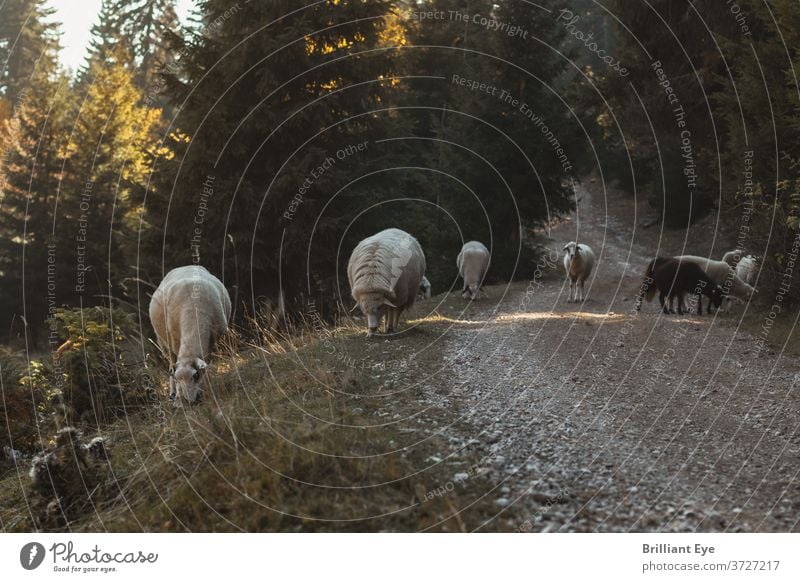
(389, 303)
(200, 365)
(353, 308)
(566, 247)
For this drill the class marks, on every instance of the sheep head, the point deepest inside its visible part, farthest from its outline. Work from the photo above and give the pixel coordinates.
(573, 249)
(189, 377)
(716, 294)
(425, 288)
(373, 306)
(574, 256)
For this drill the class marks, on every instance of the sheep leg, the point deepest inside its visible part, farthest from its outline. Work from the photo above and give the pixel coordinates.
(572, 290)
(583, 294)
(663, 303)
(173, 361)
(391, 320)
(700, 304)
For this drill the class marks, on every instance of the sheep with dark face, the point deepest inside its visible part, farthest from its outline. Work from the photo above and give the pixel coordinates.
(189, 311)
(578, 263)
(385, 272)
(425, 288)
(472, 263)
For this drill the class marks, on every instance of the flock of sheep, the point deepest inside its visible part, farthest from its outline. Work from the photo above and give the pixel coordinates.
(191, 308)
(675, 277)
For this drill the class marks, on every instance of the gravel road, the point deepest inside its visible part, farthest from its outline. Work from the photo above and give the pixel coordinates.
(591, 417)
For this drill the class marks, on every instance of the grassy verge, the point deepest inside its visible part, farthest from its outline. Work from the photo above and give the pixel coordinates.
(780, 332)
(323, 432)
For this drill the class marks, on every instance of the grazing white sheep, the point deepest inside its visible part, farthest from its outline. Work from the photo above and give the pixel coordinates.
(723, 275)
(733, 257)
(747, 269)
(578, 263)
(385, 272)
(425, 288)
(472, 262)
(189, 310)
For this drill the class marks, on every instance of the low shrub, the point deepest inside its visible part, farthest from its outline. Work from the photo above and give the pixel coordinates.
(23, 404)
(97, 383)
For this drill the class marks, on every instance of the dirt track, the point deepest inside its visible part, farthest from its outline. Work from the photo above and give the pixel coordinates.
(594, 418)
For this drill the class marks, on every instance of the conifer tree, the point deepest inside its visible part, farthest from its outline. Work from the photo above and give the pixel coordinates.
(505, 175)
(145, 27)
(28, 45)
(266, 103)
(32, 93)
(113, 137)
(31, 179)
(107, 43)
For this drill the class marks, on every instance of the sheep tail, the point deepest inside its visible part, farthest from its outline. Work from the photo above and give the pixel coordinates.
(648, 290)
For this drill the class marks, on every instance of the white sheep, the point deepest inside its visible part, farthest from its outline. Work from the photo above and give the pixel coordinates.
(189, 310)
(723, 275)
(578, 263)
(472, 262)
(747, 269)
(385, 272)
(425, 288)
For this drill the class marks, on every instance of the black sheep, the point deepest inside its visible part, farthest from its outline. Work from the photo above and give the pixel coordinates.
(675, 278)
(648, 287)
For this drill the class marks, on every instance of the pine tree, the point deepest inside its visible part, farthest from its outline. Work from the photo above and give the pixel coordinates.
(144, 29)
(33, 92)
(759, 122)
(262, 107)
(501, 174)
(107, 43)
(30, 187)
(146, 26)
(28, 46)
(668, 137)
(113, 137)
